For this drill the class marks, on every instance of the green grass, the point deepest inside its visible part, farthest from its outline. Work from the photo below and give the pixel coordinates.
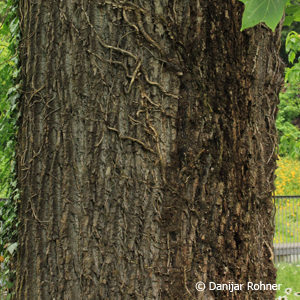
(288, 275)
(287, 217)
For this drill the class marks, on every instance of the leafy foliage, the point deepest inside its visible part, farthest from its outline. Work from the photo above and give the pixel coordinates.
(268, 11)
(289, 107)
(292, 46)
(8, 90)
(9, 34)
(289, 134)
(292, 12)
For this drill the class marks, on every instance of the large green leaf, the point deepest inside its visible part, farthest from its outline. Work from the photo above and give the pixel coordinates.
(268, 11)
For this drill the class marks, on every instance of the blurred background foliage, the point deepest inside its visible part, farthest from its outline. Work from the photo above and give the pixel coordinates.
(8, 90)
(288, 119)
(9, 35)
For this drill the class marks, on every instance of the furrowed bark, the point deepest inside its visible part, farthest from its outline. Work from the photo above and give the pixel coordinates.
(146, 150)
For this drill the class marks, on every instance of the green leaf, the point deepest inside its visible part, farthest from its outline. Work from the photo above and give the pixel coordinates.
(268, 11)
(292, 9)
(297, 15)
(288, 20)
(291, 56)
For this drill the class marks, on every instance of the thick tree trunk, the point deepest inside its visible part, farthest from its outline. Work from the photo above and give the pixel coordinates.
(146, 150)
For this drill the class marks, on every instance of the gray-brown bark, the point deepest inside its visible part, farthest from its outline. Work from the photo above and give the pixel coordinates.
(146, 150)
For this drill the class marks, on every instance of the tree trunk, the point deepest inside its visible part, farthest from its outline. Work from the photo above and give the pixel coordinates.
(146, 150)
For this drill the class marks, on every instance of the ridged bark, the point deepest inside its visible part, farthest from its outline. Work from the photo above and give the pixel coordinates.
(146, 150)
